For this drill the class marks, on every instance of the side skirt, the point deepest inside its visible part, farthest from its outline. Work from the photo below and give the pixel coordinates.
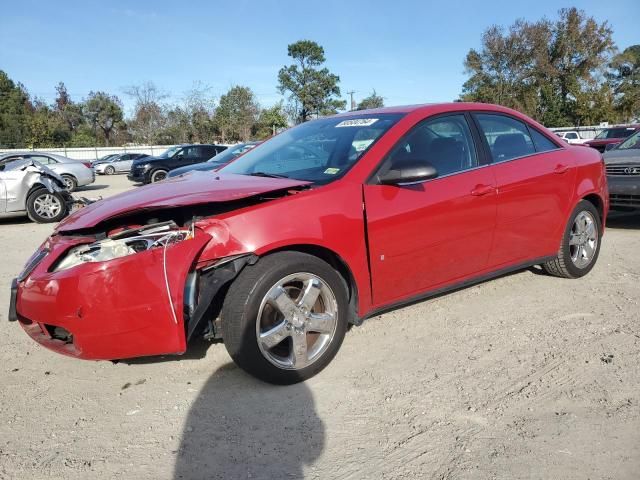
(453, 287)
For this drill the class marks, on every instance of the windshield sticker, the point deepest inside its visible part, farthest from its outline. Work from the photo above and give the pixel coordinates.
(331, 171)
(357, 122)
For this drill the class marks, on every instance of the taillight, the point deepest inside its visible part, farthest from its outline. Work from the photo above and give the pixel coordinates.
(87, 164)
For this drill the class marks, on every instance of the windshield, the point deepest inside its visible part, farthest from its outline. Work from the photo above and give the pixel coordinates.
(230, 153)
(319, 151)
(615, 133)
(633, 142)
(170, 152)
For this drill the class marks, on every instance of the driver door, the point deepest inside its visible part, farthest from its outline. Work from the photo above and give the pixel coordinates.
(428, 235)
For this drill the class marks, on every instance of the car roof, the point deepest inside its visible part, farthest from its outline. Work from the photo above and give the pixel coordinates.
(429, 107)
(47, 154)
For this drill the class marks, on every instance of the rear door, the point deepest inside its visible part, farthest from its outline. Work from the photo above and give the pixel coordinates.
(124, 162)
(535, 178)
(426, 235)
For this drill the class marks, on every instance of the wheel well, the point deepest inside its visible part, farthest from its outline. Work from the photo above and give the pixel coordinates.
(598, 203)
(34, 187)
(336, 262)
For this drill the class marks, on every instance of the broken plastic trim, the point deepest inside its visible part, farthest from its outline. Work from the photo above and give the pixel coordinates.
(211, 281)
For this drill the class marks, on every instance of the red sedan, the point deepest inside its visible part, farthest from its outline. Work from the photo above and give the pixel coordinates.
(322, 226)
(611, 136)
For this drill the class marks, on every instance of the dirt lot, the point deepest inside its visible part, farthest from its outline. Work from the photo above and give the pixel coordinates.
(526, 376)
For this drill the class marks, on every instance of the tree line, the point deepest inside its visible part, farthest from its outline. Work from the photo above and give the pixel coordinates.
(562, 72)
(311, 91)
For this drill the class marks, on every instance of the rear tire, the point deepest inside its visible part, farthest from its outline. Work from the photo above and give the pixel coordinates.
(285, 348)
(580, 244)
(46, 207)
(70, 183)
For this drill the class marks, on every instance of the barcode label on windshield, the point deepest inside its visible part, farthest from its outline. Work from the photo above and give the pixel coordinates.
(357, 122)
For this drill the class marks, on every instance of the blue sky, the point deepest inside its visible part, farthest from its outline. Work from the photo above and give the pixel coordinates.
(409, 51)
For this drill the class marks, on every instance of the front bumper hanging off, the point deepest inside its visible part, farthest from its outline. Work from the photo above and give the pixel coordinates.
(107, 310)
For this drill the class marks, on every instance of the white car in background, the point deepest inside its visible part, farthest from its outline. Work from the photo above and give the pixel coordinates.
(75, 173)
(572, 137)
(117, 164)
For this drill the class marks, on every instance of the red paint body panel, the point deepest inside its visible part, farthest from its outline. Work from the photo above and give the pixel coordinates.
(532, 204)
(425, 235)
(115, 309)
(420, 238)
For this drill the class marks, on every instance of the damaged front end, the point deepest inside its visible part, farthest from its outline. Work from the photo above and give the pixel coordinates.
(133, 283)
(111, 296)
(37, 175)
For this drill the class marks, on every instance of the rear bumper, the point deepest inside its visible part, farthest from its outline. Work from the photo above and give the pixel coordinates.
(624, 191)
(86, 178)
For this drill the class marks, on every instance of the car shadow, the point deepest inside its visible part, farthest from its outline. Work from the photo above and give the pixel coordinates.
(624, 220)
(196, 350)
(17, 220)
(93, 186)
(240, 427)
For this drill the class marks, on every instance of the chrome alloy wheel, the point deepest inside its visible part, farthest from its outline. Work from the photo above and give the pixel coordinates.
(583, 239)
(68, 183)
(47, 205)
(297, 321)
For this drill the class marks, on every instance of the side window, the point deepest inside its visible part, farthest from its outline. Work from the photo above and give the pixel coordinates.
(193, 152)
(42, 159)
(507, 137)
(444, 142)
(570, 136)
(211, 152)
(11, 163)
(541, 142)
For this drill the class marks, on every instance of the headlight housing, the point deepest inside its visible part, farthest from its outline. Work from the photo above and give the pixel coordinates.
(128, 242)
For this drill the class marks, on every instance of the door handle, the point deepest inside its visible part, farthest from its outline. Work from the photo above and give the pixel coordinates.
(560, 169)
(481, 190)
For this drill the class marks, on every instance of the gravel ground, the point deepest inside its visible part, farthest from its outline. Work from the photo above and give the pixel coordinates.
(526, 376)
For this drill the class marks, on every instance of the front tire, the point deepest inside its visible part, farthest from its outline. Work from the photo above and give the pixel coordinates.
(284, 318)
(580, 244)
(109, 170)
(46, 207)
(158, 176)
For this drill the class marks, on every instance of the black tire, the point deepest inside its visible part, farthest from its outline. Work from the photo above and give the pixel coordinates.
(563, 265)
(158, 175)
(70, 183)
(242, 303)
(35, 216)
(109, 170)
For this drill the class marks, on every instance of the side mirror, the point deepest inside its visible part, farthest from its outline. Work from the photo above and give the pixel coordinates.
(408, 172)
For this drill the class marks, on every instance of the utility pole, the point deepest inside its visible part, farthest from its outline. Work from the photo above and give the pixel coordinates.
(353, 105)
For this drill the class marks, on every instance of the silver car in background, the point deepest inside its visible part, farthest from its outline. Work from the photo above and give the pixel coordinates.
(117, 164)
(74, 172)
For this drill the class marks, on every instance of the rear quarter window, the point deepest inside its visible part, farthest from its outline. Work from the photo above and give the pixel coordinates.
(541, 142)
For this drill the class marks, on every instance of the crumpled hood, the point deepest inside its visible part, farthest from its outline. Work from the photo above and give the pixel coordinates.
(630, 155)
(198, 188)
